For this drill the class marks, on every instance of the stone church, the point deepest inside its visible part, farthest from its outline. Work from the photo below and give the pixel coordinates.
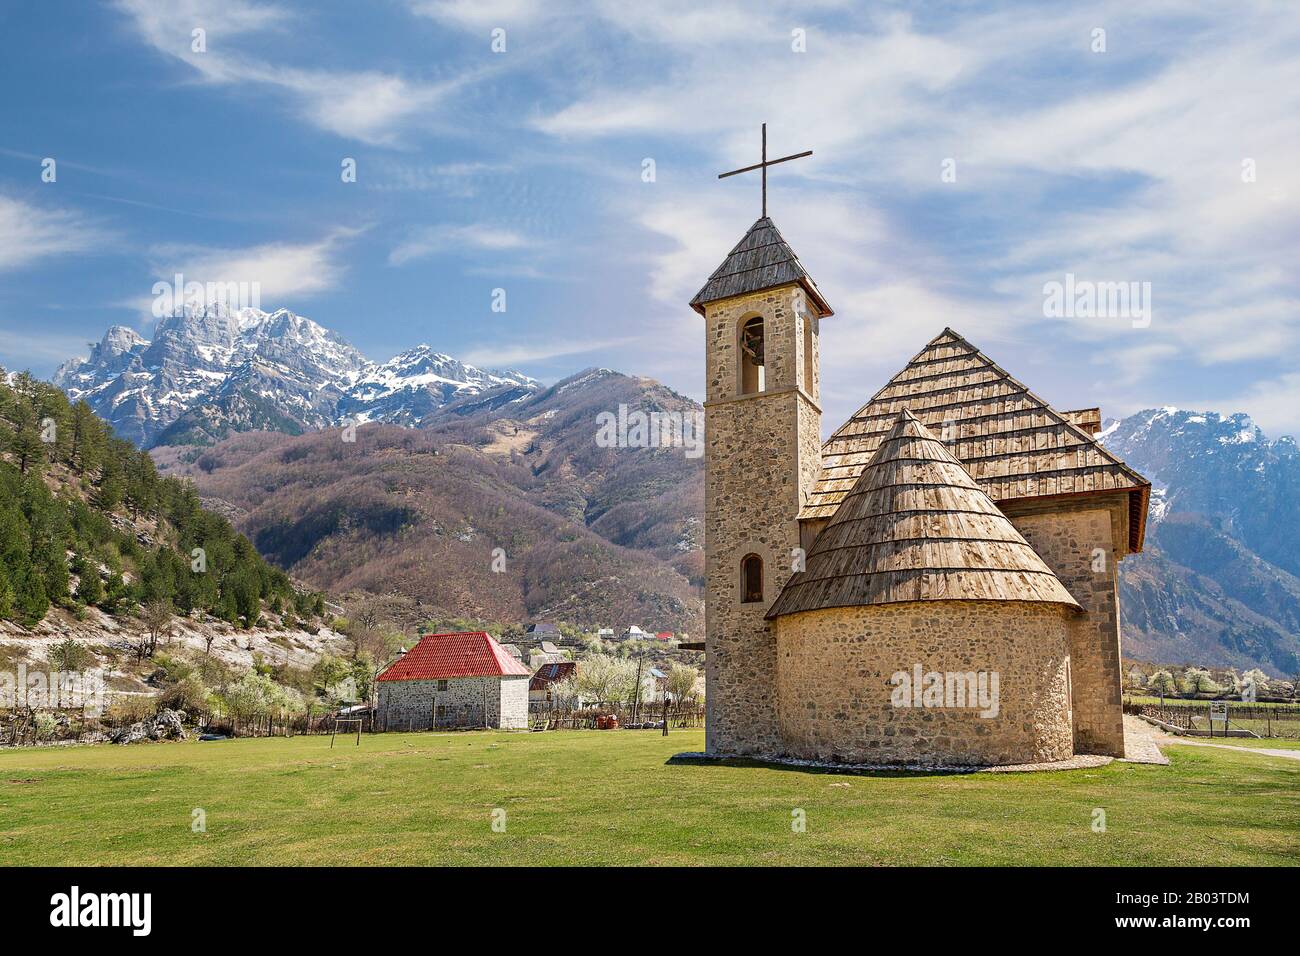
(956, 531)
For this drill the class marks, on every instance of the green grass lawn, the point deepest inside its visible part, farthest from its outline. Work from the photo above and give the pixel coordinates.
(610, 797)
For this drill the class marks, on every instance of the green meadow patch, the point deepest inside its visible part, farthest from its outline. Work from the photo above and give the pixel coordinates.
(613, 797)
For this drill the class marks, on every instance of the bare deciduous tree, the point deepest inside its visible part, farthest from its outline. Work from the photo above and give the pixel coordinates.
(157, 617)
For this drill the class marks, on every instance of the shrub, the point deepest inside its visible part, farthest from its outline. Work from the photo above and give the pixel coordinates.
(45, 724)
(70, 655)
(189, 694)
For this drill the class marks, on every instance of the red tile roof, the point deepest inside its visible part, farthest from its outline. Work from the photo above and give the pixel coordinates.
(549, 673)
(467, 654)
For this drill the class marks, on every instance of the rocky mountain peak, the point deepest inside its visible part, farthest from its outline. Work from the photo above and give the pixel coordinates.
(212, 370)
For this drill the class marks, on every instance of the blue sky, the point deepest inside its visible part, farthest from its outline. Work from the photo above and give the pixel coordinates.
(522, 170)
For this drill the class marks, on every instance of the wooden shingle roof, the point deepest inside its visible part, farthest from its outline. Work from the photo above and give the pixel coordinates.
(761, 260)
(916, 526)
(1012, 442)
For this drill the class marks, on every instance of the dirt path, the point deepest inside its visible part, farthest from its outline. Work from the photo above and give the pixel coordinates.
(1141, 742)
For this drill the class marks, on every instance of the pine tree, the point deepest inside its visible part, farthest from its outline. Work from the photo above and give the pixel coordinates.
(90, 590)
(30, 600)
(87, 450)
(6, 594)
(229, 608)
(26, 444)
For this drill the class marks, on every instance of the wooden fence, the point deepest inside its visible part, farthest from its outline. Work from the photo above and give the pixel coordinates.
(1262, 720)
(680, 716)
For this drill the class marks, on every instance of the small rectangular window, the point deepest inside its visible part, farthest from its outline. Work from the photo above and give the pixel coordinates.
(442, 685)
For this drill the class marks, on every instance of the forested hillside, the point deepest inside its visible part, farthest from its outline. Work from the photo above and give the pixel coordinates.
(85, 520)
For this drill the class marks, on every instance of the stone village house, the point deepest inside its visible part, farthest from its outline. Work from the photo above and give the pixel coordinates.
(454, 680)
(956, 524)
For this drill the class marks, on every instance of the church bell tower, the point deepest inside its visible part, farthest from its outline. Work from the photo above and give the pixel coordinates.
(762, 457)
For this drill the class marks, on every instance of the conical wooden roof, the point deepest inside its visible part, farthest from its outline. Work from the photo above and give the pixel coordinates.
(1011, 441)
(917, 527)
(761, 260)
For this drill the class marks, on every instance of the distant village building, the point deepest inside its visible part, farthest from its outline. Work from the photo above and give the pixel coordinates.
(545, 653)
(454, 680)
(605, 634)
(539, 687)
(634, 633)
(664, 636)
(513, 650)
(654, 686)
(543, 631)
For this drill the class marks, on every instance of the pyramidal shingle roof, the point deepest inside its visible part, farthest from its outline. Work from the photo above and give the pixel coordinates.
(761, 260)
(1012, 442)
(917, 527)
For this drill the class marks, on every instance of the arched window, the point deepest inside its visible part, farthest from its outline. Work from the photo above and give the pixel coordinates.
(751, 579)
(751, 356)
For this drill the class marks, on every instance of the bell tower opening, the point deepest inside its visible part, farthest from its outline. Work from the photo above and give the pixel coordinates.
(753, 377)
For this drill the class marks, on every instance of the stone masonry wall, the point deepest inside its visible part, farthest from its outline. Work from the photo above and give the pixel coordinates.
(834, 670)
(762, 453)
(409, 704)
(1079, 546)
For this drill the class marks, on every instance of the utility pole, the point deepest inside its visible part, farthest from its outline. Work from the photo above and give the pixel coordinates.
(636, 701)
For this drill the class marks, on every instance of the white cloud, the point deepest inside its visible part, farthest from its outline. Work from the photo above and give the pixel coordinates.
(479, 14)
(521, 353)
(433, 239)
(283, 271)
(29, 232)
(370, 106)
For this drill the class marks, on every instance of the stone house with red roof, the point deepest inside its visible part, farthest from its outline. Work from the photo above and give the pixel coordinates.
(460, 680)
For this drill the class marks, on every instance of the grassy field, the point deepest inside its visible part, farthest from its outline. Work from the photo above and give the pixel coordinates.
(592, 797)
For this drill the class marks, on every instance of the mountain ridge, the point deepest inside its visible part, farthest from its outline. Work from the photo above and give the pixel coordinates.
(210, 372)
(1219, 580)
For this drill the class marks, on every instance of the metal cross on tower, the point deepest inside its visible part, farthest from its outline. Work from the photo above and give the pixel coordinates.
(763, 166)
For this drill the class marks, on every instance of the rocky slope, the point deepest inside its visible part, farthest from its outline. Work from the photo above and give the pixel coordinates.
(591, 535)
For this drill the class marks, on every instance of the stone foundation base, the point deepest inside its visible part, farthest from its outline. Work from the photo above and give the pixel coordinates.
(1077, 762)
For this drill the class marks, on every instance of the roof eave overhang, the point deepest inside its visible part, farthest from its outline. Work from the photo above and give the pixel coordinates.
(823, 307)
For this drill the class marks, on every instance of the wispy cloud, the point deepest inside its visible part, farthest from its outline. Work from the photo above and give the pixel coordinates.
(434, 239)
(31, 232)
(523, 353)
(371, 106)
(285, 272)
(478, 14)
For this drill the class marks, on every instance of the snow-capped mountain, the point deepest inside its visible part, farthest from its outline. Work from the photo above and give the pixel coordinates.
(1222, 467)
(1219, 580)
(407, 388)
(212, 371)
